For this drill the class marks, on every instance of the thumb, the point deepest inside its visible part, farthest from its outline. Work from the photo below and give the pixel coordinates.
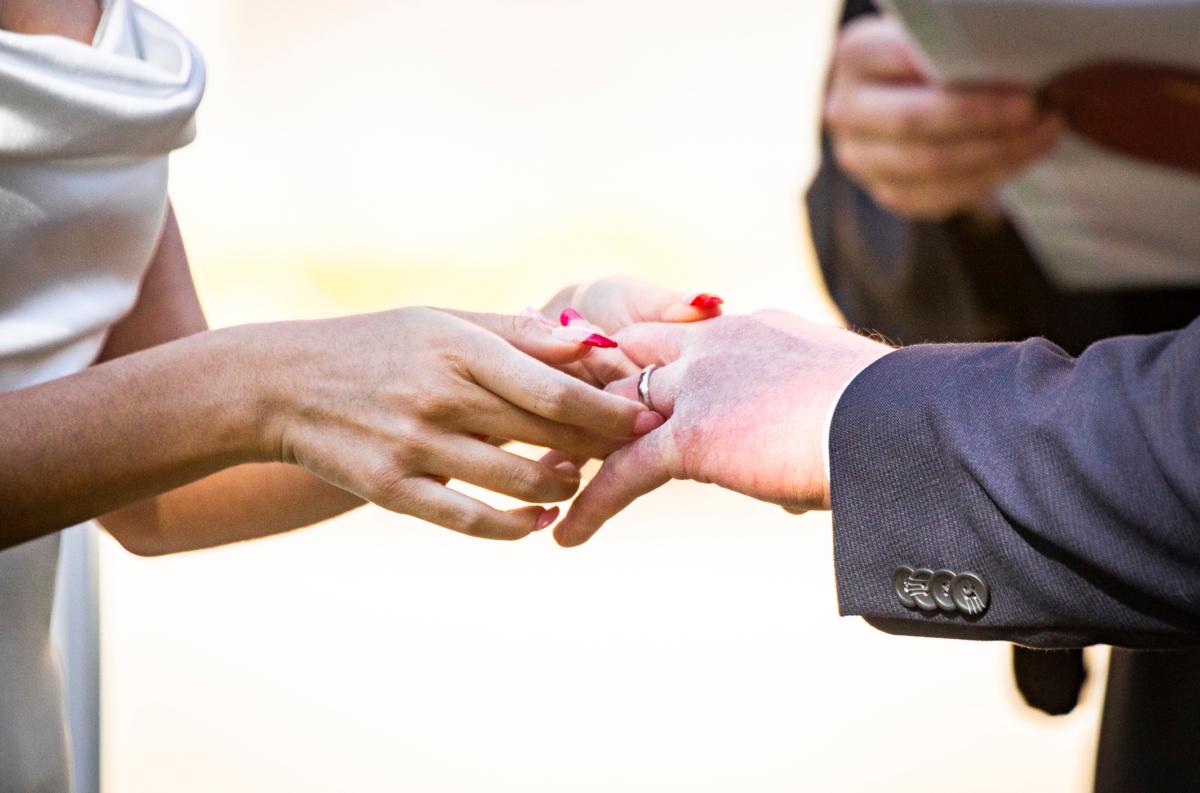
(879, 48)
(537, 337)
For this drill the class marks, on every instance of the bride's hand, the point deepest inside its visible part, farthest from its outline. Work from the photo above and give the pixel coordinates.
(614, 303)
(390, 406)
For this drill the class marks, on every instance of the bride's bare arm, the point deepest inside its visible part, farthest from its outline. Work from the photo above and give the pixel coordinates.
(172, 438)
(243, 502)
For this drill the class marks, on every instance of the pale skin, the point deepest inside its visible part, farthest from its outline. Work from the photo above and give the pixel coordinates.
(181, 438)
(921, 149)
(746, 399)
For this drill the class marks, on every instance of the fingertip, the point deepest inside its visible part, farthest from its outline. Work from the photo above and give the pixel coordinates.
(547, 517)
(560, 460)
(564, 348)
(694, 307)
(627, 417)
(599, 340)
(569, 538)
(567, 468)
(531, 518)
(647, 421)
(705, 301)
(581, 336)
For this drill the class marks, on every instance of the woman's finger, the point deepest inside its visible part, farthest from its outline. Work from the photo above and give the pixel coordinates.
(616, 302)
(551, 394)
(499, 419)
(532, 336)
(479, 463)
(649, 302)
(556, 457)
(628, 473)
(430, 501)
(601, 367)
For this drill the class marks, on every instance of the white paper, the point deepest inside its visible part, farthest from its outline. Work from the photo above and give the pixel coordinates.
(1094, 217)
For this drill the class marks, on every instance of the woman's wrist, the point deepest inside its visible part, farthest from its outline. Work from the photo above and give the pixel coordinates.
(251, 395)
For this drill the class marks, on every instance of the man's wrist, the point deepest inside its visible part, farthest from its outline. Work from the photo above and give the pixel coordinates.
(853, 374)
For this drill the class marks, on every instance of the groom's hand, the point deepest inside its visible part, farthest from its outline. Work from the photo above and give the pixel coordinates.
(746, 400)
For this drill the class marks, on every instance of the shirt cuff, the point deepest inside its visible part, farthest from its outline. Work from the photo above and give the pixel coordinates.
(833, 408)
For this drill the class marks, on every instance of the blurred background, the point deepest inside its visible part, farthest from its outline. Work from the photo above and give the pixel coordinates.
(364, 154)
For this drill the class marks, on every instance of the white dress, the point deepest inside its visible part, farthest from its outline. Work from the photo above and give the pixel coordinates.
(84, 136)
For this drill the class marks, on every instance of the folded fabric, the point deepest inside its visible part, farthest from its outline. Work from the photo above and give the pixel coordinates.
(84, 136)
(133, 92)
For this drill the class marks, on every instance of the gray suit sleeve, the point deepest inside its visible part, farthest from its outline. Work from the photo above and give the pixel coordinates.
(1070, 485)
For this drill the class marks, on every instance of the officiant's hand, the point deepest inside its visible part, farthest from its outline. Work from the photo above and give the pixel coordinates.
(921, 149)
(746, 400)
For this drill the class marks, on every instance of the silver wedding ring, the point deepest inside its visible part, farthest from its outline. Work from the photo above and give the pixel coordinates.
(644, 386)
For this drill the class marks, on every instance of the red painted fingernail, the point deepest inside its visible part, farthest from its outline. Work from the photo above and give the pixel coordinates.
(596, 340)
(569, 315)
(705, 302)
(547, 517)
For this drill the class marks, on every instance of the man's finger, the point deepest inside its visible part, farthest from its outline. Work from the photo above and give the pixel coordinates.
(662, 384)
(655, 342)
(934, 200)
(435, 503)
(927, 111)
(926, 161)
(877, 47)
(628, 473)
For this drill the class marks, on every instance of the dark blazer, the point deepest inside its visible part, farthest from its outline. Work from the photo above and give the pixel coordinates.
(1071, 486)
(1072, 514)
